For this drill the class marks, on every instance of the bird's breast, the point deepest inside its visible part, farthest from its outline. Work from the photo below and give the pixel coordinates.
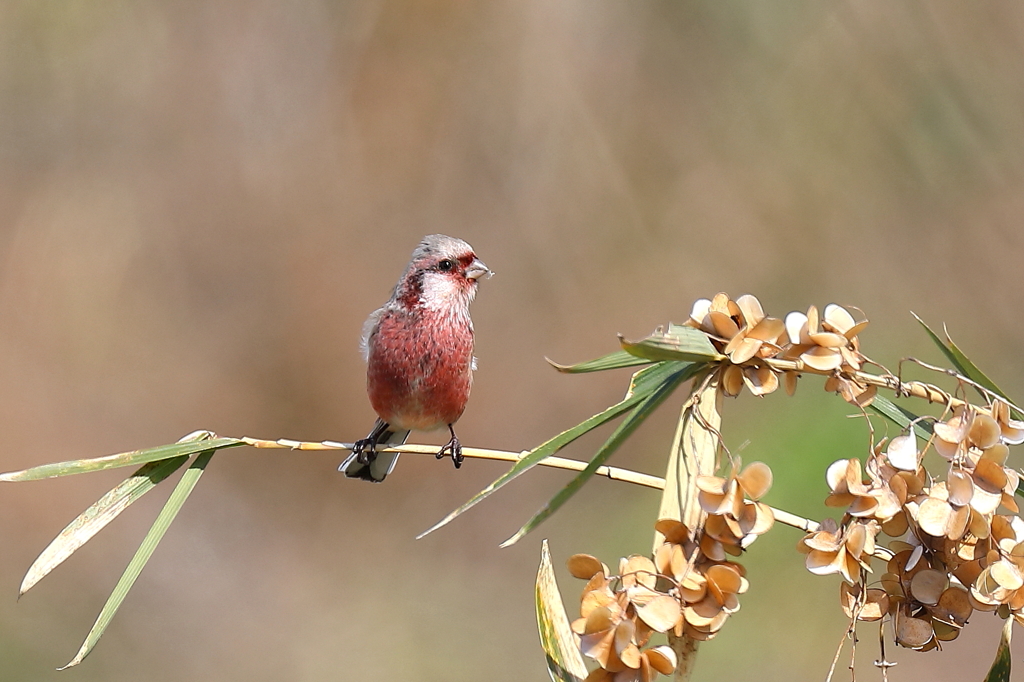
(419, 369)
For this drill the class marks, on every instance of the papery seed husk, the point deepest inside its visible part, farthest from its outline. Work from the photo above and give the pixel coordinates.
(838, 317)
(674, 531)
(661, 613)
(725, 577)
(663, 659)
(700, 309)
(624, 636)
(914, 483)
(960, 487)
(599, 620)
(898, 486)
(796, 328)
(790, 380)
(584, 566)
(835, 475)
(891, 583)
(848, 595)
(822, 541)
(598, 646)
(944, 632)
(822, 359)
(876, 605)
(750, 308)
(856, 537)
(630, 657)
(896, 526)
(902, 453)
(955, 603)
(840, 500)
(979, 525)
(712, 549)
(594, 599)
(933, 516)
(997, 453)
(984, 501)
(862, 505)
(989, 476)
(643, 633)
(768, 329)
(958, 521)
(828, 339)
(703, 612)
(639, 570)
(757, 518)
(756, 480)
(732, 380)
(742, 348)
(928, 585)
(914, 633)
(725, 327)
(984, 432)
(1007, 575)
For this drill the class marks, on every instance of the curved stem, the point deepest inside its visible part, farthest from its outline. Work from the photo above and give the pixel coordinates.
(613, 473)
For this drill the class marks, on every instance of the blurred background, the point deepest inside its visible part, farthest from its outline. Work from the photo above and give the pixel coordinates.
(201, 202)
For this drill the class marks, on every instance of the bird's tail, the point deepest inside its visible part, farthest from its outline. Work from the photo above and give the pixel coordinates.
(377, 470)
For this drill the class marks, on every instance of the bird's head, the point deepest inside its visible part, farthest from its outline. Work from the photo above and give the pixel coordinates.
(443, 273)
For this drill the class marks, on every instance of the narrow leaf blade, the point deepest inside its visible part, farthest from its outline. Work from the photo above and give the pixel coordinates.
(1000, 670)
(123, 459)
(961, 362)
(616, 360)
(640, 390)
(900, 416)
(565, 662)
(619, 436)
(680, 343)
(97, 516)
(185, 486)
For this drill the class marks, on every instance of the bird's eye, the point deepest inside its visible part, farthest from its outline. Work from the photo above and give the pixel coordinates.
(446, 265)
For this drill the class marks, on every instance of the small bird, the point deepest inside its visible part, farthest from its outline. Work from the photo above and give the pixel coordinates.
(419, 353)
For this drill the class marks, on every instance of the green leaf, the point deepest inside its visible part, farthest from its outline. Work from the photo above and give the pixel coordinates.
(961, 362)
(156, 533)
(679, 342)
(901, 417)
(643, 384)
(97, 516)
(124, 459)
(616, 360)
(1000, 670)
(618, 437)
(565, 663)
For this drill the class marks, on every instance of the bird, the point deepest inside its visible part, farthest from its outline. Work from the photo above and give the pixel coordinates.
(418, 349)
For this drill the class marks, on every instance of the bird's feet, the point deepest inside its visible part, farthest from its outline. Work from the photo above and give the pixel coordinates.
(453, 448)
(365, 450)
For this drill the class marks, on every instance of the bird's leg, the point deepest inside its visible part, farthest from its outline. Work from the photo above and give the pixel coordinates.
(365, 449)
(453, 448)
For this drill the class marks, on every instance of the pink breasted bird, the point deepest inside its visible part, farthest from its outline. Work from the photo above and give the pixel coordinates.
(419, 353)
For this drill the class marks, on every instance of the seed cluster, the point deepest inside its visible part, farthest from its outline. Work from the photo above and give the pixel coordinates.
(742, 332)
(687, 588)
(955, 554)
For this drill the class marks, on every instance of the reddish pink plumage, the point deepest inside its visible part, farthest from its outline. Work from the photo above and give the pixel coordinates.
(420, 368)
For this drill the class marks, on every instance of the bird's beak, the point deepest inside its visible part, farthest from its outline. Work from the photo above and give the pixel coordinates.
(477, 269)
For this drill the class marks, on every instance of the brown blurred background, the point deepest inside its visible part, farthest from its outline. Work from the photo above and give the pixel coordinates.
(201, 202)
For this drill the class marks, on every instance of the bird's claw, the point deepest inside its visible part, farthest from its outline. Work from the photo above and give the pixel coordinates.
(454, 449)
(365, 450)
